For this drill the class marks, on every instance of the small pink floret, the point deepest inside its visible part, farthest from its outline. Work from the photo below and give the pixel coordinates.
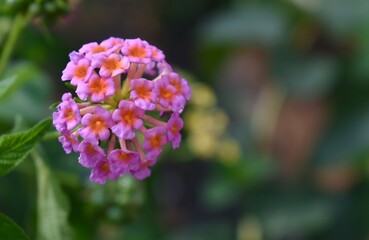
(137, 51)
(155, 139)
(96, 126)
(127, 118)
(111, 65)
(142, 93)
(175, 125)
(122, 161)
(102, 171)
(69, 142)
(90, 153)
(68, 115)
(77, 72)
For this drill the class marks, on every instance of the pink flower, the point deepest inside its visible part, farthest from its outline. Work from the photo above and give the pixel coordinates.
(77, 71)
(94, 49)
(90, 154)
(107, 123)
(180, 84)
(175, 124)
(98, 88)
(128, 118)
(122, 161)
(96, 126)
(157, 54)
(143, 171)
(137, 51)
(76, 56)
(101, 171)
(68, 116)
(111, 65)
(113, 42)
(142, 93)
(168, 95)
(164, 67)
(69, 142)
(155, 139)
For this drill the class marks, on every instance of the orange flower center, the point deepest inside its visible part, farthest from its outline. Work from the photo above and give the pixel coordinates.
(155, 53)
(70, 139)
(111, 64)
(174, 128)
(143, 92)
(137, 51)
(156, 141)
(90, 149)
(128, 117)
(80, 71)
(105, 168)
(175, 83)
(97, 86)
(124, 157)
(166, 94)
(97, 124)
(69, 114)
(98, 49)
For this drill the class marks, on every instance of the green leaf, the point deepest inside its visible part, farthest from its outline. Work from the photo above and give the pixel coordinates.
(6, 86)
(29, 95)
(52, 204)
(9, 230)
(16, 146)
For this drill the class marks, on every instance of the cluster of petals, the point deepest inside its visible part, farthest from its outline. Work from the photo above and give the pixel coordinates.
(127, 107)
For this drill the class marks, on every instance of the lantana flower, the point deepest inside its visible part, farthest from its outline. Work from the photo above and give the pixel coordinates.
(120, 86)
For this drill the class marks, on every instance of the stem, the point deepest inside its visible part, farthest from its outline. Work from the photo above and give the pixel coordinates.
(140, 71)
(138, 148)
(153, 121)
(18, 25)
(118, 86)
(88, 109)
(127, 82)
(111, 144)
(51, 135)
(122, 144)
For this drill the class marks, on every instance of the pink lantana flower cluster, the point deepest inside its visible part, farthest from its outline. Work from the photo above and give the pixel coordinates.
(127, 108)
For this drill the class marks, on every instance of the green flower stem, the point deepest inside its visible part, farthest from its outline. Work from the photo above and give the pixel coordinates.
(51, 135)
(19, 22)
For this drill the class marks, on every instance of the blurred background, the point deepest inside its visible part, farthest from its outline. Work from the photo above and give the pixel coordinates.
(276, 137)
